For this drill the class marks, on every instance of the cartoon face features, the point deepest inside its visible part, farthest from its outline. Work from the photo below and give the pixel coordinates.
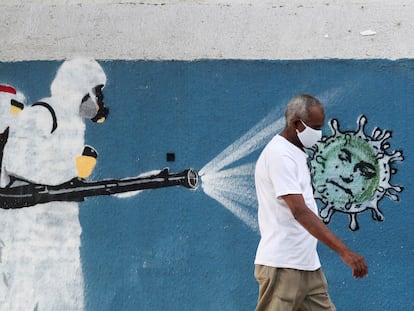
(348, 172)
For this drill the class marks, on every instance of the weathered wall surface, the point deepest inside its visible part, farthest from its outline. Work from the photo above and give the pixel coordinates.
(206, 29)
(206, 81)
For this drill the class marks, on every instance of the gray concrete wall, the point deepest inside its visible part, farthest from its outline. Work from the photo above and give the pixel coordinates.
(187, 30)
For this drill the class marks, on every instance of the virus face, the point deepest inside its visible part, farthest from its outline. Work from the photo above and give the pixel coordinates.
(351, 172)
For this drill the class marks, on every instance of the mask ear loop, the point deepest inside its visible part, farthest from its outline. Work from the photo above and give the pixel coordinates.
(304, 125)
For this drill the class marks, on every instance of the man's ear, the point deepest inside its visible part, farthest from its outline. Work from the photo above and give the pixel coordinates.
(296, 123)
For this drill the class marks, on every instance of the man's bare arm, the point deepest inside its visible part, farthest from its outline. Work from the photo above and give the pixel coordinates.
(314, 225)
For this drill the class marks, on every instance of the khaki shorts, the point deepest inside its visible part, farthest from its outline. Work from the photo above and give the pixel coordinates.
(283, 289)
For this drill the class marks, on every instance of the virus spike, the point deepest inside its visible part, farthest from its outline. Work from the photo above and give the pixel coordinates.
(362, 121)
(396, 156)
(334, 126)
(353, 222)
(392, 196)
(376, 133)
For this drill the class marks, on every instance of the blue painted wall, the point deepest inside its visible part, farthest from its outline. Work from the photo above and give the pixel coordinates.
(177, 249)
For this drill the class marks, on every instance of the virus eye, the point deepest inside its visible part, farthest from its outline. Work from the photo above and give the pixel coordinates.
(345, 156)
(366, 169)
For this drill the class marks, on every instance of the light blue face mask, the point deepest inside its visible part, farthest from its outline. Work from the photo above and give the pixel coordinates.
(309, 136)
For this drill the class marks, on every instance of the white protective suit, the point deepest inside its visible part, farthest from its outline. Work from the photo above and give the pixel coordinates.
(42, 256)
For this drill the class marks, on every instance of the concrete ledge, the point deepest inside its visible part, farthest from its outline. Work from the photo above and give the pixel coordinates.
(188, 30)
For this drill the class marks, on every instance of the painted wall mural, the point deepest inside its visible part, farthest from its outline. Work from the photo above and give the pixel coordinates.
(81, 140)
(40, 246)
(50, 133)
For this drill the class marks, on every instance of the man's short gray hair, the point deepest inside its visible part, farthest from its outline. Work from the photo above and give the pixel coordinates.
(298, 107)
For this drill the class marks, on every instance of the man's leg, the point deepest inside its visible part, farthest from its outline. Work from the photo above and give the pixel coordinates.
(317, 298)
(278, 288)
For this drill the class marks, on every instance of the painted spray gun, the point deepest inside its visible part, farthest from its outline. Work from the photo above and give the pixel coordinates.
(76, 190)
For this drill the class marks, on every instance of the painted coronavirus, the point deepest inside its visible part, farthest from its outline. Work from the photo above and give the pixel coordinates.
(351, 172)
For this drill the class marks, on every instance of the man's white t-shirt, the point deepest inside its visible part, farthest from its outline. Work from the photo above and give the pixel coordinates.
(280, 170)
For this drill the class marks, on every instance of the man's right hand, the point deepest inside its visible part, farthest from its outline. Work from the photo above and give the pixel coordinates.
(357, 264)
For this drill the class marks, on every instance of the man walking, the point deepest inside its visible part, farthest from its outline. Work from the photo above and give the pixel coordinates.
(287, 266)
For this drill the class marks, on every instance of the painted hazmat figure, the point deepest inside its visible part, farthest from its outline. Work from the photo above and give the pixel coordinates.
(352, 172)
(43, 257)
(11, 103)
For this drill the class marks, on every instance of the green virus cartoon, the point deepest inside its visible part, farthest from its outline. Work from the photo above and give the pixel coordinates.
(351, 172)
